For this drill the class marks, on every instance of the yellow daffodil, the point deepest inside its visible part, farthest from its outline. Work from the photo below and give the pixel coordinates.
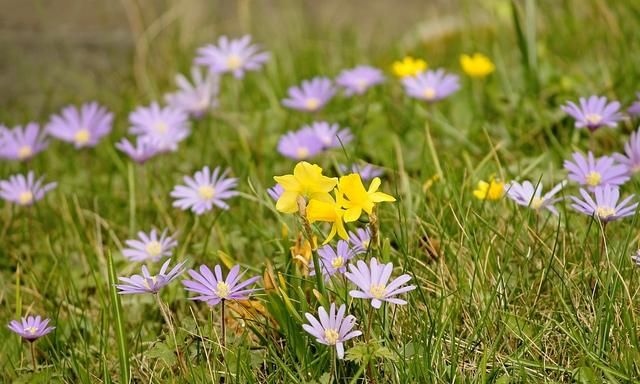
(330, 212)
(477, 65)
(492, 190)
(355, 199)
(308, 182)
(409, 67)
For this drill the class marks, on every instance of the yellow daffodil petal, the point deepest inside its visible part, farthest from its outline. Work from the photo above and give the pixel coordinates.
(287, 182)
(352, 214)
(375, 184)
(287, 203)
(378, 197)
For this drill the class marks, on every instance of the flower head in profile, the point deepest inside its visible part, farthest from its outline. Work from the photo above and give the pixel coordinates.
(307, 182)
(83, 127)
(212, 288)
(431, 86)
(594, 112)
(302, 144)
(332, 328)
(373, 283)
(365, 170)
(311, 95)
(408, 67)
(491, 190)
(330, 135)
(195, 98)
(333, 261)
(357, 80)
(31, 328)
(205, 190)
(360, 240)
(275, 192)
(164, 127)
(147, 283)
(593, 172)
(476, 65)
(636, 258)
(605, 206)
(22, 144)
(152, 246)
(631, 157)
(529, 195)
(634, 109)
(355, 198)
(328, 211)
(141, 152)
(23, 190)
(235, 56)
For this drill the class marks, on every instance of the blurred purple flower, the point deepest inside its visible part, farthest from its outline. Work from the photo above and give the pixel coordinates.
(84, 126)
(197, 98)
(31, 328)
(594, 172)
(631, 157)
(360, 240)
(214, 288)
(141, 152)
(372, 281)
(636, 258)
(147, 283)
(333, 261)
(330, 135)
(275, 192)
(365, 170)
(300, 145)
(23, 190)
(204, 190)
(634, 109)
(164, 127)
(22, 144)
(332, 329)
(357, 80)
(311, 96)
(431, 85)
(594, 112)
(606, 206)
(234, 56)
(529, 195)
(150, 247)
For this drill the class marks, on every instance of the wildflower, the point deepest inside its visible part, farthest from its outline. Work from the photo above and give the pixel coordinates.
(22, 144)
(360, 240)
(372, 281)
(365, 170)
(213, 289)
(333, 261)
(147, 283)
(594, 112)
(593, 172)
(328, 211)
(634, 109)
(409, 67)
(197, 98)
(163, 127)
(301, 251)
(528, 195)
(330, 135)
(23, 190)
(636, 258)
(275, 192)
(83, 127)
(357, 80)
(605, 206)
(492, 190)
(355, 199)
(311, 96)
(306, 182)
(235, 56)
(31, 328)
(300, 145)
(431, 86)
(144, 149)
(476, 65)
(204, 190)
(332, 329)
(150, 247)
(631, 157)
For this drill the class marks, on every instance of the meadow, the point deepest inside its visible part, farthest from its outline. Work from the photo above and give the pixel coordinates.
(431, 162)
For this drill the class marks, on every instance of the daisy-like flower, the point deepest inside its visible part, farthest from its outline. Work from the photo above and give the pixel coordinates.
(593, 172)
(594, 112)
(300, 145)
(431, 86)
(23, 190)
(333, 261)
(636, 258)
(491, 190)
(372, 281)
(164, 127)
(605, 206)
(634, 109)
(476, 65)
(147, 283)
(84, 127)
(197, 98)
(360, 240)
(333, 328)
(235, 56)
(307, 182)
(275, 192)
(330, 135)
(408, 67)
(311, 96)
(150, 246)
(22, 144)
(143, 150)
(631, 157)
(529, 195)
(365, 170)
(204, 190)
(355, 199)
(213, 288)
(31, 328)
(357, 80)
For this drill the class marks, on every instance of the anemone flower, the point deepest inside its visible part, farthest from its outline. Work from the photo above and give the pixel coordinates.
(605, 206)
(372, 282)
(593, 172)
(528, 195)
(332, 260)
(235, 56)
(358, 80)
(332, 328)
(205, 190)
(594, 112)
(22, 144)
(431, 86)
(23, 190)
(147, 283)
(311, 95)
(152, 246)
(195, 98)
(164, 127)
(83, 127)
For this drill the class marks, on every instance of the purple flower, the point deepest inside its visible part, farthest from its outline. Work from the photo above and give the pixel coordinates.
(150, 247)
(31, 328)
(144, 149)
(606, 206)
(594, 172)
(529, 195)
(631, 157)
(365, 170)
(214, 288)
(275, 192)
(22, 144)
(163, 127)
(311, 96)
(357, 80)
(372, 281)
(235, 56)
(197, 98)
(330, 135)
(205, 190)
(431, 86)
(634, 109)
(594, 112)
(83, 127)
(333, 261)
(360, 240)
(636, 258)
(147, 283)
(332, 329)
(23, 190)
(300, 145)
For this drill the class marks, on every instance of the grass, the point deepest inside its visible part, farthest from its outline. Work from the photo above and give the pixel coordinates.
(503, 296)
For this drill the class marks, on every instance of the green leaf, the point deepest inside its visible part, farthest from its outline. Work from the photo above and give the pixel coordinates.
(118, 323)
(163, 352)
(372, 350)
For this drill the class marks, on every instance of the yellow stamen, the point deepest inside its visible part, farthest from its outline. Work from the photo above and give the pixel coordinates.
(377, 290)
(537, 202)
(312, 104)
(25, 197)
(605, 212)
(222, 290)
(31, 330)
(429, 93)
(154, 248)
(302, 153)
(331, 336)
(206, 192)
(593, 178)
(24, 152)
(337, 262)
(82, 137)
(234, 62)
(161, 127)
(593, 118)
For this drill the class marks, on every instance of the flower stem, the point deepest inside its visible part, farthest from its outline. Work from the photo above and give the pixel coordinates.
(302, 211)
(33, 355)
(367, 338)
(167, 319)
(373, 224)
(224, 328)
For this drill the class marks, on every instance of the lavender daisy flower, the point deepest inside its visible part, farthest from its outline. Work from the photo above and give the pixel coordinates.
(235, 56)
(275, 192)
(365, 170)
(23, 190)
(147, 283)
(311, 96)
(300, 145)
(333, 261)
(141, 152)
(150, 247)
(431, 86)
(372, 280)
(163, 127)
(330, 135)
(31, 328)
(528, 195)
(636, 258)
(634, 109)
(197, 98)
(22, 144)
(204, 190)
(84, 127)
(213, 289)
(360, 240)
(332, 329)
(631, 157)
(594, 112)
(594, 172)
(605, 206)
(357, 80)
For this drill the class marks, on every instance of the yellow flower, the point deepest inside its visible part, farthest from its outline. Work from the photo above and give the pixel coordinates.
(330, 212)
(409, 67)
(308, 182)
(492, 190)
(355, 199)
(301, 252)
(477, 65)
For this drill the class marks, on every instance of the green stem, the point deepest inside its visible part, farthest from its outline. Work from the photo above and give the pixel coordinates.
(33, 355)
(132, 198)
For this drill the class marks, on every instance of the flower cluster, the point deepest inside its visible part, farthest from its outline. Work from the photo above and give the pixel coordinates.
(313, 139)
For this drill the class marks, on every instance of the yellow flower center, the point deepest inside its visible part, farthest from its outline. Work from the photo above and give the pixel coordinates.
(537, 202)
(331, 336)
(31, 330)
(153, 281)
(365, 244)
(337, 262)
(429, 93)
(234, 62)
(377, 290)
(312, 103)
(593, 118)
(161, 127)
(206, 192)
(605, 212)
(25, 197)
(153, 248)
(82, 136)
(302, 152)
(24, 152)
(593, 178)
(222, 290)
(361, 84)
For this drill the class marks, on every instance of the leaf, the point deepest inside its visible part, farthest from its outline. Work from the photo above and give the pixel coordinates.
(118, 323)
(163, 352)
(372, 350)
